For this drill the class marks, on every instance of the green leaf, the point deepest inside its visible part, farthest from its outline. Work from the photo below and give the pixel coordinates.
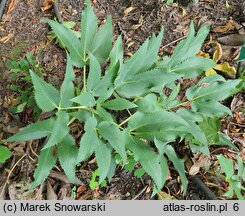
(212, 88)
(187, 48)
(60, 129)
(47, 97)
(210, 108)
(160, 119)
(145, 82)
(46, 162)
(37, 130)
(24, 66)
(206, 94)
(210, 126)
(67, 154)
(13, 65)
(189, 115)
(241, 168)
(236, 185)
(225, 140)
(141, 61)
(114, 136)
(30, 59)
(139, 173)
(174, 93)
(118, 104)
(67, 87)
(94, 73)
(84, 99)
(145, 57)
(105, 96)
(165, 126)
(107, 82)
(89, 26)
(148, 159)
(70, 41)
(164, 168)
(103, 158)
(178, 164)
(112, 169)
(160, 146)
(5, 154)
(134, 64)
(116, 54)
(148, 103)
(102, 42)
(19, 108)
(88, 141)
(81, 115)
(69, 25)
(193, 66)
(226, 166)
(104, 115)
(130, 165)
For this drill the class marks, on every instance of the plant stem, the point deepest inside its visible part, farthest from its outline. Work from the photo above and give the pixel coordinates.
(84, 79)
(181, 104)
(125, 121)
(76, 107)
(80, 107)
(118, 126)
(72, 120)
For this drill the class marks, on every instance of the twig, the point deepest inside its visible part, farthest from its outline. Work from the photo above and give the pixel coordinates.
(12, 169)
(56, 11)
(2, 7)
(140, 193)
(10, 172)
(173, 42)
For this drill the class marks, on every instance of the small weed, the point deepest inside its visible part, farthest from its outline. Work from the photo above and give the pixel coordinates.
(235, 180)
(21, 81)
(5, 154)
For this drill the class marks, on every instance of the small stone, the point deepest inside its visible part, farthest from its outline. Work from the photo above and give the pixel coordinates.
(127, 194)
(74, 12)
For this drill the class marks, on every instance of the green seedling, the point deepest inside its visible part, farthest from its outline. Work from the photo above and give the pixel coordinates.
(94, 183)
(235, 180)
(5, 154)
(135, 84)
(22, 83)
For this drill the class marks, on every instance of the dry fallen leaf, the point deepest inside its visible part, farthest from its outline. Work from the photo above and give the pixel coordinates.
(81, 189)
(51, 195)
(130, 44)
(199, 161)
(226, 28)
(11, 6)
(238, 118)
(128, 10)
(47, 5)
(218, 53)
(164, 196)
(202, 54)
(7, 38)
(225, 68)
(136, 26)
